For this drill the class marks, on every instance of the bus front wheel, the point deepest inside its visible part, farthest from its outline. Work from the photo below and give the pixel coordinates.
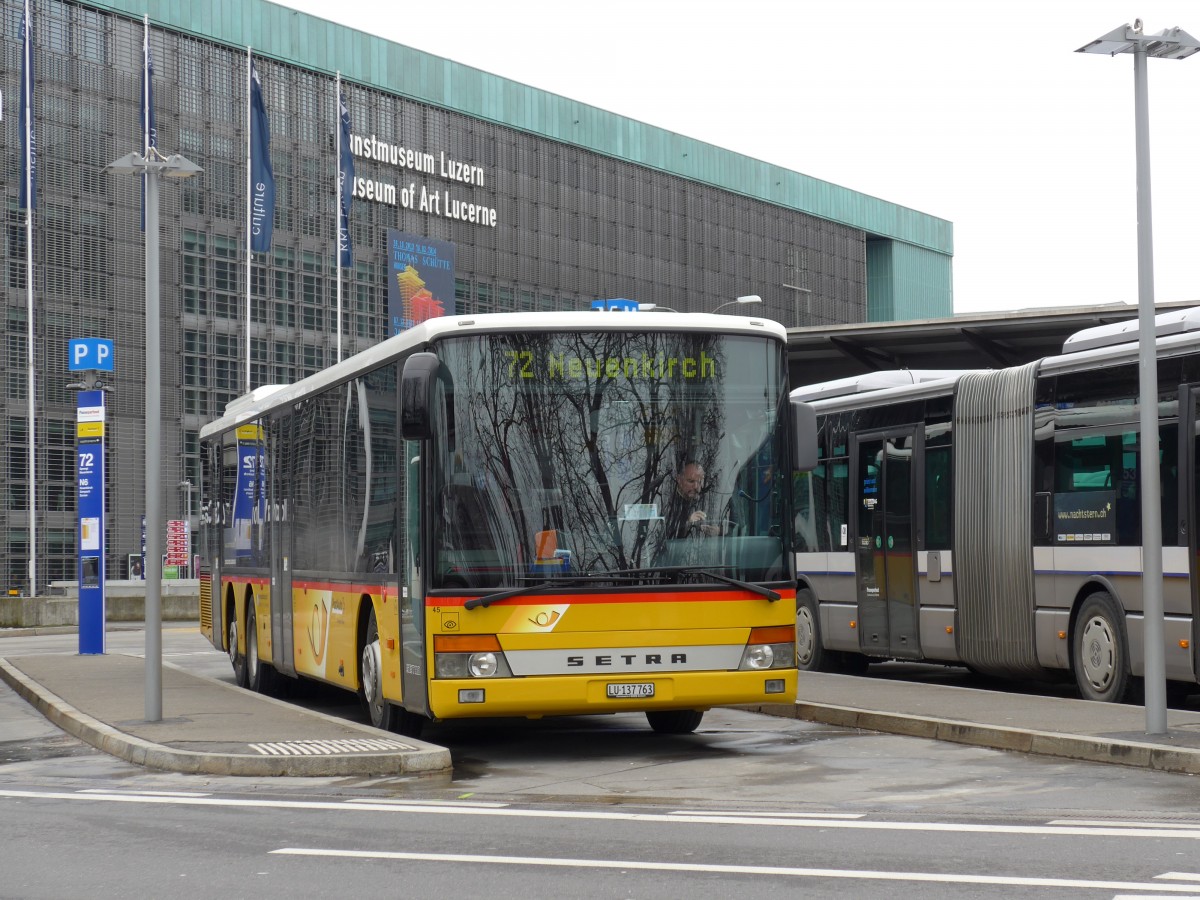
(384, 714)
(674, 721)
(1100, 652)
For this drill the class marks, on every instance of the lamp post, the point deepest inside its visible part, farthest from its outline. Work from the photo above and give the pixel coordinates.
(1172, 43)
(750, 298)
(153, 165)
(807, 301)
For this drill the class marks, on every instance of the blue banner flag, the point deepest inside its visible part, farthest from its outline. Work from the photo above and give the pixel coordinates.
(262, 179)
(345, 185)
(27, 194)
(149, 129)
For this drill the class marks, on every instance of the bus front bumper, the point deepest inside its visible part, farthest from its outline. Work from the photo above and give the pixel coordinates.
(574, 695)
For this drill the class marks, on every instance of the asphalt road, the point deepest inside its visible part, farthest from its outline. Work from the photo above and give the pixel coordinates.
(591, 807)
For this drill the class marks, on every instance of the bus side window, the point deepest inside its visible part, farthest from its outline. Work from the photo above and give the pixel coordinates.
(806, 486)
(939, 498)
(839, 505)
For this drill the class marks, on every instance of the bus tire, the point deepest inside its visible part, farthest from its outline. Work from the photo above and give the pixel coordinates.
(236, 658)
(810, 655)
(674, 721)
(1100, 651)
(370, 680)
(260, 676)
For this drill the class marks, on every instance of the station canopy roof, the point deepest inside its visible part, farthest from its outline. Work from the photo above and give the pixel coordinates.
(984, 340)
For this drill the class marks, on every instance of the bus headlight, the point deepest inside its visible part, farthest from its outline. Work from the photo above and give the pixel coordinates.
(482, 665)
(469, 656)
(768, 656)
(758, 656)
(770, 648)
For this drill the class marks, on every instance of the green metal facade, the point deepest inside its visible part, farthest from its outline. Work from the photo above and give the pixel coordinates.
(917, 245)
(906, 282)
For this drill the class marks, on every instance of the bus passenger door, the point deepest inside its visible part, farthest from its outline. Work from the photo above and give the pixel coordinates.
(280, 494)
(883, 546)
(414, 691)
(1189, 492)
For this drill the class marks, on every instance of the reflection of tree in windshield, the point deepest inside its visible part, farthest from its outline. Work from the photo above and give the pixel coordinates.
(565, 446)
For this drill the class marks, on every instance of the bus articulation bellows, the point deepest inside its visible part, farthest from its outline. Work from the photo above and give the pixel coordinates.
(475, 518)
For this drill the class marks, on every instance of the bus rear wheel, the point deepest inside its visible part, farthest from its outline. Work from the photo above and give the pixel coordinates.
(236, 657)
(260, 676)
(674, 721)
(1100, 651)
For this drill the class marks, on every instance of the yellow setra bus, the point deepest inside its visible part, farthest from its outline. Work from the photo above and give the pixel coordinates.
(485, 516)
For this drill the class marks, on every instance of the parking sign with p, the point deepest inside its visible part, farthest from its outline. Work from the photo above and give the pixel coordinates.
(90, 355)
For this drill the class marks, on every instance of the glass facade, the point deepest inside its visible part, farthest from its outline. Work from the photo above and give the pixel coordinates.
(535, 223)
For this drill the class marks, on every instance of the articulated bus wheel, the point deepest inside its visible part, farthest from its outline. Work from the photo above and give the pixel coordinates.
(1100, 651)
(810, 655)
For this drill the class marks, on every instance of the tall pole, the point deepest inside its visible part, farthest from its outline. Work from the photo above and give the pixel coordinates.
(249, 204)
(337, 206)
(1152, 593)
(27, 98)
(154, 524)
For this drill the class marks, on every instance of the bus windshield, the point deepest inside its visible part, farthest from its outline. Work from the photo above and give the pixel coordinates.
(580, 454)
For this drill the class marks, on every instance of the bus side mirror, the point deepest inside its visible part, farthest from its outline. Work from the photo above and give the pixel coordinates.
(416, 396)
(804, 436)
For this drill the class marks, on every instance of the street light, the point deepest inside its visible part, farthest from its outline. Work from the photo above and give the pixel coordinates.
(153, 165)
(807, 300)
(1172, 43)
(751, 298)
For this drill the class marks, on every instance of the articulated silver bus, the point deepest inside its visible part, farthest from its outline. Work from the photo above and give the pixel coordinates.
(992, 518)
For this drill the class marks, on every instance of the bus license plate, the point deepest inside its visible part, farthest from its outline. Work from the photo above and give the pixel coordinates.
(631, 690)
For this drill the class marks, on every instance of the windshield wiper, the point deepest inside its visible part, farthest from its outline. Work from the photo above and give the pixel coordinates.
(539, 588)
(609, 576)
(703, 570)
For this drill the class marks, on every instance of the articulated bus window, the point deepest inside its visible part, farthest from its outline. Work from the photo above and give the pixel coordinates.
(939, 497)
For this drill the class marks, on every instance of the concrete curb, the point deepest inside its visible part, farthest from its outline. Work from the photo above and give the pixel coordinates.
(189, 762)
(1084, 748)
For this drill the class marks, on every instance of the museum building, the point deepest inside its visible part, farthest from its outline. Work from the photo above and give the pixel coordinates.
(471, 193)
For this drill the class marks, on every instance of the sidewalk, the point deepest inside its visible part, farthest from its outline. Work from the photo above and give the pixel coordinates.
(212, 727)
(208, 726)
(1047, 726)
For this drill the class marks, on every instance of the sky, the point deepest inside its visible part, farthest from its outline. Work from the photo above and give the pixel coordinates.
(976, 112)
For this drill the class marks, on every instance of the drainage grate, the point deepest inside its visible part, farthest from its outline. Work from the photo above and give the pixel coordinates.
(328, 748)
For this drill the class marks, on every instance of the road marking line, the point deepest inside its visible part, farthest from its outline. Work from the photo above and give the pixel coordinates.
(863, 875)
(328, 747)
(1180, 876)
(1114, 823)
(145, 793)
(458, 804)
(772, 815)
(374, 806)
